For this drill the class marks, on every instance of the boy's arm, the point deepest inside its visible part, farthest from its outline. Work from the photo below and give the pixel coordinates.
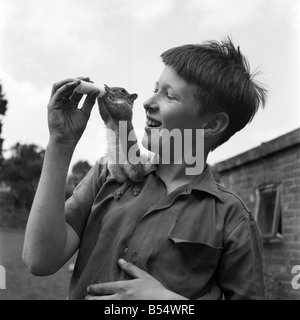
(241, 264)
(49, 240)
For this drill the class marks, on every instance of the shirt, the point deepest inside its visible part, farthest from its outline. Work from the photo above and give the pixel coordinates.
(199, 241)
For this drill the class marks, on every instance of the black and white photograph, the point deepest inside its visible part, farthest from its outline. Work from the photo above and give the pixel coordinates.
(149, 150)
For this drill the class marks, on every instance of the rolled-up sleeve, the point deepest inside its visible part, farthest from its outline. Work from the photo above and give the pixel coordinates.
(241, 263)
(78, 206)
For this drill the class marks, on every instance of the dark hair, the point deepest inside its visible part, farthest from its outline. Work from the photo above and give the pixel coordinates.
(222, 75)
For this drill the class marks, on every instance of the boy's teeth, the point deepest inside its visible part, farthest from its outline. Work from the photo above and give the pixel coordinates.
(152, 123)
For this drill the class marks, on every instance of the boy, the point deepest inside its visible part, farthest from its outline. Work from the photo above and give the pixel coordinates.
(183, 236)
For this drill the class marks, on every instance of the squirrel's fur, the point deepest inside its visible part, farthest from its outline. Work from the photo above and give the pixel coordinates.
(115, 106)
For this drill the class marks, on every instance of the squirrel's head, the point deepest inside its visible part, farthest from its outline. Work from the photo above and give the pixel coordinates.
(120, 95)
(118, 103)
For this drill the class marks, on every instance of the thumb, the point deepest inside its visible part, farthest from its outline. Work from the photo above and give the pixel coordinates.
(89, 102)
(133, 270)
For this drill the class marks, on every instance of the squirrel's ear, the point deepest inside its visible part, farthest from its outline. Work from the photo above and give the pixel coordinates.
(133, 97)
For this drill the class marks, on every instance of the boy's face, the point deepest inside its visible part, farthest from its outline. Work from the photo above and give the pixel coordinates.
(173, 106)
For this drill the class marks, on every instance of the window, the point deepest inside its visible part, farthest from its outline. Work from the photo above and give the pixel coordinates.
(268, 211)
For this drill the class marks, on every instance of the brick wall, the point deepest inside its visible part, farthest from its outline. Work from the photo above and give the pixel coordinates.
(277, 161)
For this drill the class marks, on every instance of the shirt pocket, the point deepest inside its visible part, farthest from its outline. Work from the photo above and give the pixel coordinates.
(198, 256)
(188, 264)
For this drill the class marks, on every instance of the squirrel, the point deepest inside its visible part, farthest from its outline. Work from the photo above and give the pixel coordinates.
(114, 106)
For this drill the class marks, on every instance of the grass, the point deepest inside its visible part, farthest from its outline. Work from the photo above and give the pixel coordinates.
(20, 283)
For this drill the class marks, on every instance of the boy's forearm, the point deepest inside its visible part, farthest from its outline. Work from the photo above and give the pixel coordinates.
(46, 231)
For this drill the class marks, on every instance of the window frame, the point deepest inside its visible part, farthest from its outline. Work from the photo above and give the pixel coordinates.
(274, 234)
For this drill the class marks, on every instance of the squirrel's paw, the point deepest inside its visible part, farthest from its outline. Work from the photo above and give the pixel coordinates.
(136, 189)
(120, 191)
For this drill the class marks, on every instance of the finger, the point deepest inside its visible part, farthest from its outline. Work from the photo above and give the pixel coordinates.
(59, 84)
(74, 95)
(133, 270)
(89, 102)
(104, 288)
(65, 90)
(86, 79)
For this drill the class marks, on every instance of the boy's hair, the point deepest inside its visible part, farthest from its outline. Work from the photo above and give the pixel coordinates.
(222, 75)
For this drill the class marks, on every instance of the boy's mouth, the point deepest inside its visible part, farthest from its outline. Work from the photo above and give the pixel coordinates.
(153, 123)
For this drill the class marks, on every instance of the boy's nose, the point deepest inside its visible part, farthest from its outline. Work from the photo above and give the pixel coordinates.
(150, 105)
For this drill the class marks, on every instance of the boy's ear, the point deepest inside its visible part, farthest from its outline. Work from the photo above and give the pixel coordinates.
(217, 124)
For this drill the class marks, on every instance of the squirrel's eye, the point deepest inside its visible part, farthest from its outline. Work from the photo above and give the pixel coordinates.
(123, 91)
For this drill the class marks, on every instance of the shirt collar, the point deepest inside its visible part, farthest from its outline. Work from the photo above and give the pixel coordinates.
(206, 182)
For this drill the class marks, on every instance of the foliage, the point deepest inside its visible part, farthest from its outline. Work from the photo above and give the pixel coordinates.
(3, 108)
(79, 170)
(3, 102)
(22, 171)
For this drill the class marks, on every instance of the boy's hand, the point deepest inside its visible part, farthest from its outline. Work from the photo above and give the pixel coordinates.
(143, 287)
(66, 122)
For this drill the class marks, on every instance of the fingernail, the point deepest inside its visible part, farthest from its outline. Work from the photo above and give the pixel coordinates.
(122, 261)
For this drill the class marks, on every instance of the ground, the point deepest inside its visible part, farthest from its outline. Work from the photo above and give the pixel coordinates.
(20, 283)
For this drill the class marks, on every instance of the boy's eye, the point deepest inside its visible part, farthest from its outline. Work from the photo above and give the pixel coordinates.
(170, 97)
(167, 95)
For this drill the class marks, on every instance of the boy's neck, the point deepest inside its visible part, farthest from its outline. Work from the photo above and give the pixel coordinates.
(174, 175)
